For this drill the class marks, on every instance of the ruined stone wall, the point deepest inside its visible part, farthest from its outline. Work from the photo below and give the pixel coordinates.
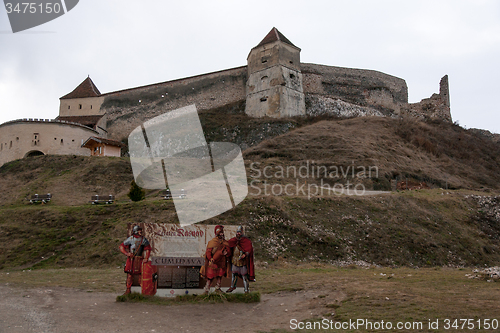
(435, 107)
(127, 109)
(366, 88)
(20, 137)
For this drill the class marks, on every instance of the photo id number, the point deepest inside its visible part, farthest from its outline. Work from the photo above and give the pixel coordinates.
(32, 7)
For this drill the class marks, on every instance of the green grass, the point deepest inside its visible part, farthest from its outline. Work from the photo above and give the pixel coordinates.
(98, 280)
(212, 298)
(395, 295)
(419, 229)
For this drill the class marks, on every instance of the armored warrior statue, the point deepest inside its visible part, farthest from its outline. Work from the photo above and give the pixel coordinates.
(216, 260)
(137, 249)
(241, 260)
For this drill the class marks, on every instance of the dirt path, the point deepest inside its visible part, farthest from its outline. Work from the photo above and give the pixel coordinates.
(69, 310)
(356, 192)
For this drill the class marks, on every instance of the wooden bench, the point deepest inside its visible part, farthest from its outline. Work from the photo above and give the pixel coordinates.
(107, 199)
(40, 198)
(168, 194)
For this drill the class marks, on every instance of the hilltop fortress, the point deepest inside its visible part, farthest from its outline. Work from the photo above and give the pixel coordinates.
(274, 83)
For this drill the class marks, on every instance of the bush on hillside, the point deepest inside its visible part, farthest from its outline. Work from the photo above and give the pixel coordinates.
(136, 193)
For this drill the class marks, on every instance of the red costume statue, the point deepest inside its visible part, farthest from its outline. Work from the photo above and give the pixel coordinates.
(137, 250)
(241, 255)
(216, 265)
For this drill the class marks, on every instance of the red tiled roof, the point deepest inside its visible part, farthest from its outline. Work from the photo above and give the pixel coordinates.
(90, 121)
(273, 36)
(103, 140)
(86, 89)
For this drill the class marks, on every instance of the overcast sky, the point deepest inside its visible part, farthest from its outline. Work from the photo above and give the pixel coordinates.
(123, 44)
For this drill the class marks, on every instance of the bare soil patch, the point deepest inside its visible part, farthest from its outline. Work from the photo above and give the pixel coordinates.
(69, 310)
(84, 300)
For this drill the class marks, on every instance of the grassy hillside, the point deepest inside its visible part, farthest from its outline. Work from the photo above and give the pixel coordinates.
(440, 154)
(418, 228)
(414, 228)
(72, 180)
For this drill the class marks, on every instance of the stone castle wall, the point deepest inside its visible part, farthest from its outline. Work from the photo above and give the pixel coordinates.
(275, 92)
(328, 90)
(274, 86)
(361, 87)
(343, 92)
(125, 110)
(21, 137)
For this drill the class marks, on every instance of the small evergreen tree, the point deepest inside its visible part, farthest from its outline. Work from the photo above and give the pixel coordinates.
(136, 193)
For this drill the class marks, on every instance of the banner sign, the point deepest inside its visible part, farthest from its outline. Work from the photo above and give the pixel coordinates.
(180, 246)
(179, 252)
(173, 261)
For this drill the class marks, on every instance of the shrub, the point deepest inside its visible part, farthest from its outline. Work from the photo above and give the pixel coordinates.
(136, 193)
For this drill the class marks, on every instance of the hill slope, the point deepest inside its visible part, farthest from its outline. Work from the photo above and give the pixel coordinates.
(417, 228)
(438, 153)
(427, 227)
(72, 180)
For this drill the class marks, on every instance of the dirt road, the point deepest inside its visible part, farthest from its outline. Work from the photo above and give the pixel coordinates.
(69, 310)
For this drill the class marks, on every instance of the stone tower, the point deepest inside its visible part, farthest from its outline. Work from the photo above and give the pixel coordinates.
(444, 90)
(274, 85)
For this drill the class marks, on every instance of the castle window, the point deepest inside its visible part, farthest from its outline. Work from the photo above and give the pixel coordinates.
(62, 141)
(263, 99)
(264, 77)
(10, 145)
(264, 60)
(69, 107)
(291, 62)
(292, 76)
(36, 139)
(80, 106)
(1, 146)
(17, 139)
(91, 107)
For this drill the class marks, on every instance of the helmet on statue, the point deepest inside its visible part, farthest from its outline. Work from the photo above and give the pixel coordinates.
(136, 229)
